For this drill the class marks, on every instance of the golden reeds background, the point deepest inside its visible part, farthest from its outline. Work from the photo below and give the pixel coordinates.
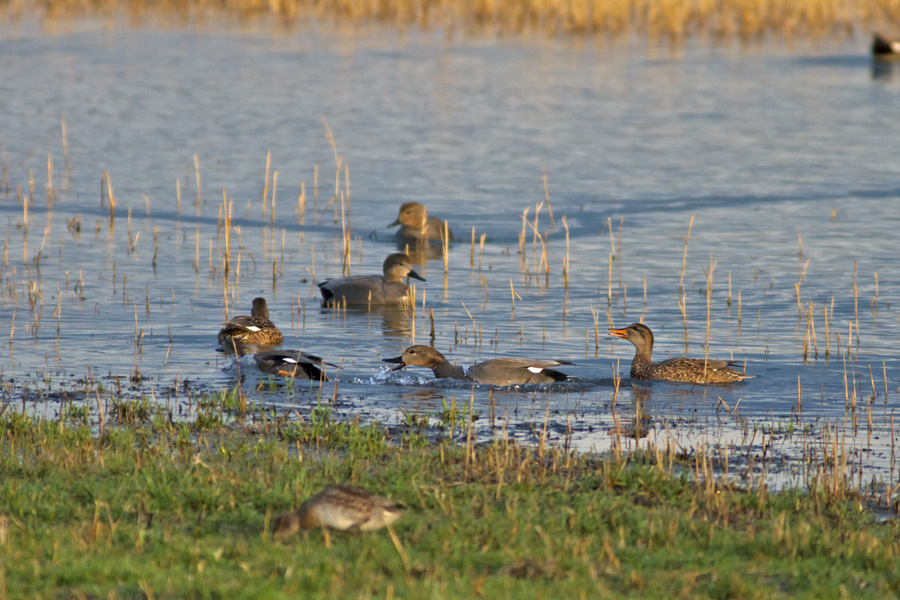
(669, 18)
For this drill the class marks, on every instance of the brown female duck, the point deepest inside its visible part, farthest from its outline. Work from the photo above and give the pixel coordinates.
(341, 507)
(688, 370)
(256, 329)
(415, 224)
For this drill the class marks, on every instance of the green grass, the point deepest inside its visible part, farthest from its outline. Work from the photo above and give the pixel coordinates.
(176, 511)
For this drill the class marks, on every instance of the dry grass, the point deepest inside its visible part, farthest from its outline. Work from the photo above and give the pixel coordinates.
(670, 18)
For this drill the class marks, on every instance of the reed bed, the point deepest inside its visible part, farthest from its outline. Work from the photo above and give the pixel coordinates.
(670, 18)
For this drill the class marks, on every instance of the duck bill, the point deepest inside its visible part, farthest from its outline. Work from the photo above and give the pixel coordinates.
(398, 359)
(619, 333)
(395, 223)
(415, 275)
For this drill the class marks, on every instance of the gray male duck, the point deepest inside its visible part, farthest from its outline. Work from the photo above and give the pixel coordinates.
(496, 371)
(372, 290)
(416, 225)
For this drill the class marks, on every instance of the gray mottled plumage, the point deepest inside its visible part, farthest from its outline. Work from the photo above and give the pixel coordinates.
(372, 290)
(496, 371)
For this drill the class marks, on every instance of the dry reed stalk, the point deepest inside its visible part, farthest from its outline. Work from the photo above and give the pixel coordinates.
(265, 191)
(827, 340)
(812, 329)
(445, 245)
(226, 210)
(111, 197)
(178, 196)
(596, 315)
(300, 211)
(25, 209)
(274, 190)
(481, 249)
(50, 192)
(684, 258)
(855, 304)
(609, 271)
(799, 244)
(709, 281)
(514, 295)
(566, 260)
(346, 239)
(522, 236)
(537, 213)
(875, 299)
(199, 200)
(547, 199)
(799, 397)
(68, 165)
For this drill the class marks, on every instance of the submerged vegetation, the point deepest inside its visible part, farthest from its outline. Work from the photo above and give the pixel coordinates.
(674, 18)
(159, 509)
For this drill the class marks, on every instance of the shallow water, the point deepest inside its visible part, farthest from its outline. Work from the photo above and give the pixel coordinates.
(785, 158)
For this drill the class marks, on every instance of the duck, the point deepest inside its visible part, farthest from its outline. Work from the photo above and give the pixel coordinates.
(292, 363)
(496, 371)
(884, 46)
(371, 290)
(256, 329)
(339, 506)
(416, 225)
(679, 368)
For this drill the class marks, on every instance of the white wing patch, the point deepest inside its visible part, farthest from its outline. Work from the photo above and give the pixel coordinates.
(535, 369)
(253, 328)
(289, 360)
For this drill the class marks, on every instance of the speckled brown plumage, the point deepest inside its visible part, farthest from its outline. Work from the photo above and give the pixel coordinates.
(687, 370)
(341, 507)
(255, 330)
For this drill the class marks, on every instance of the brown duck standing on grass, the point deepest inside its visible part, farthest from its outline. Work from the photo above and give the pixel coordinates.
(415, 224)
(497, 371)
(255, 330)
(292, 363)
(688, 370)
(340, 507)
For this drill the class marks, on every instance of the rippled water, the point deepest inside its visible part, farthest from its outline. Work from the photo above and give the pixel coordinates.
(785, 159)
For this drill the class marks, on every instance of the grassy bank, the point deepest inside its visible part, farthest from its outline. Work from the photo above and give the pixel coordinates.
(652, 17)
(161, 510)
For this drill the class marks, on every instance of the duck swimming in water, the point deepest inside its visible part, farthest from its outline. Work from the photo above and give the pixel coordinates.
(496, 371)
(371, 290)
(885, 47)
(416, 225)
(292, 363)
(254, 330)
(688, 370)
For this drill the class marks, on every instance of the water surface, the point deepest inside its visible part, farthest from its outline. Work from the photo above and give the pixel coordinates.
(785, 159)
